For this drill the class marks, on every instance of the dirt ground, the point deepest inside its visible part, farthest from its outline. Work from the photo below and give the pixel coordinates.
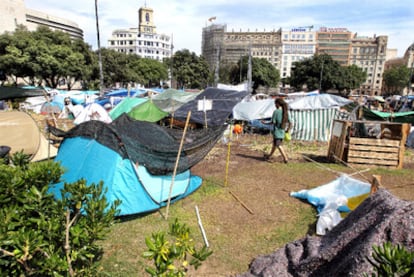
(242, 224)
(262, 190)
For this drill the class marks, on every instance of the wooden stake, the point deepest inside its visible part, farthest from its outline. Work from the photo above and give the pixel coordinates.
(176, 162)
(241, 202)
(375, 184)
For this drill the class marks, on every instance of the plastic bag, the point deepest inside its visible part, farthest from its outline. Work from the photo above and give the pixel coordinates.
(287, 137)
(329, 217)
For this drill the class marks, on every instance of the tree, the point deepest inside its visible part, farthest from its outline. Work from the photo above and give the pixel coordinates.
(189, 70)
(263, 73)
(58, 57)
(323, 73)
(15, 59)
(350, 77)
(151, 72)
(44, 236)
(319, 72)
(226, 72)
(115, 67)
(396, 79)
(44, 55)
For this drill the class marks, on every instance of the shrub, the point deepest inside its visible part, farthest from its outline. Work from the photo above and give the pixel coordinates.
(173, 258)
(44, 236)
(392, 260)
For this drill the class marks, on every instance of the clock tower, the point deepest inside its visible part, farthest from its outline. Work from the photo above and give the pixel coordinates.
(146, 21)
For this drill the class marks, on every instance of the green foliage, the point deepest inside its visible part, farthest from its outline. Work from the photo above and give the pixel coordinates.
(351, 77)
(189, 70)
(51, 56)
(44, 236)
(150, 71)
(392, 260)
(396, 79)
(173, 258)
(45, 55)
(322, 72)
(263, 72)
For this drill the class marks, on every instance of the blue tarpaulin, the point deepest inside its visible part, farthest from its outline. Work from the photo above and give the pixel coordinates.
(343, 187)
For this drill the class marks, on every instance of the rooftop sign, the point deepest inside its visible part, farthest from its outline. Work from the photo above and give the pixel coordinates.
(333, 30)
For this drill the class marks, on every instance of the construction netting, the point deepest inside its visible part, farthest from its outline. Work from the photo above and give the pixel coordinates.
(149, 144)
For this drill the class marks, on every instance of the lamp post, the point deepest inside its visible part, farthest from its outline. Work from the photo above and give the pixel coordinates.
(101, 78)
(320, 77)
(410, 79)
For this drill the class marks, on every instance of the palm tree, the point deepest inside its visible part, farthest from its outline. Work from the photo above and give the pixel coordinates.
(101, 83)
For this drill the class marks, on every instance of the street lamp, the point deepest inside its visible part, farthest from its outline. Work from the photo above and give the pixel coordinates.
(320, 77)
(321, 74)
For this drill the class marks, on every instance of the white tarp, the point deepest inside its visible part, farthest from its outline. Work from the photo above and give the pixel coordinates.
(260, 109)
(93, 111)
(318, 101)
(240, 87)
(311, 116)
(251, 110)
(294, 95)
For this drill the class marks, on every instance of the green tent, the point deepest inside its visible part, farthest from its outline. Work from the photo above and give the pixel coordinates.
(147, 111)
(400, 117)
(125, 106)
(372, 115)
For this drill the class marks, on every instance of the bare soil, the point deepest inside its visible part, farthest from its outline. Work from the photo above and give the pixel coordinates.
(260, 192)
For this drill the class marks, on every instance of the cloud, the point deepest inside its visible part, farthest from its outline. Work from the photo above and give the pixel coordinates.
(185, 19)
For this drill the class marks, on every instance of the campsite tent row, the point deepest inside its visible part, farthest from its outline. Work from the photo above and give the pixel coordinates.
(311, 115)
(20, 132)
(139, 156)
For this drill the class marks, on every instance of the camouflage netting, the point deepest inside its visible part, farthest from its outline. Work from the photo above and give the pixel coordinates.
(149, 144)
(344, 250)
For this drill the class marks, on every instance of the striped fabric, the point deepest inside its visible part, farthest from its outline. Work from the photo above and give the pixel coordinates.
(313, 125)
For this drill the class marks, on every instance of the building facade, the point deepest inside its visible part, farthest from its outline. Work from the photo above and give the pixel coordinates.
(336, 42)
(220, 46)
(297, 44)
(14, 13)
(143, 40)
(370, 54)
(283, 48)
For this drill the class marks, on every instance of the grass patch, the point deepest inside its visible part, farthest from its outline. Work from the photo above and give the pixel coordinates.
(302, 222)
(210, 187)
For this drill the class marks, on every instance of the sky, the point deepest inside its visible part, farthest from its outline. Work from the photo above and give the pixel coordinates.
(185, 19)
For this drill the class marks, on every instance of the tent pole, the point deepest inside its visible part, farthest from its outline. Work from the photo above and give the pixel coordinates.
(176, 162)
